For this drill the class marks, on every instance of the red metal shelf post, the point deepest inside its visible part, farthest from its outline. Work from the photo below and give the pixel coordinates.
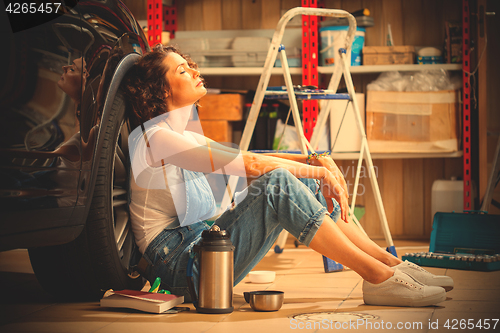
(160, 18)
(309, 66)
(466, 105)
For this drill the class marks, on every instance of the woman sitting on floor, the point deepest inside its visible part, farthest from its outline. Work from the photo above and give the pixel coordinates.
(305, 195)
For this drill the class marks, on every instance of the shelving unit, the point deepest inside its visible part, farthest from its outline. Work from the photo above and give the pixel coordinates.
(390, 68)
(249, 71)
(406, 178)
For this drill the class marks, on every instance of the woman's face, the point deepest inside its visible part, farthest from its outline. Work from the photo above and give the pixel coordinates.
(71, 79)
(186, 86)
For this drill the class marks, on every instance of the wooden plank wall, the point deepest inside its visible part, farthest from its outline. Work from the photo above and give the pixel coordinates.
(493, 82)
(418, 22)
(405, 184)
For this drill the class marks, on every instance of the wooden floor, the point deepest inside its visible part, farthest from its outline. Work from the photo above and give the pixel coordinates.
(314, 301)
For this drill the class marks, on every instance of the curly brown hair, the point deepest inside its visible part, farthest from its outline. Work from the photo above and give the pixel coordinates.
(145, 85)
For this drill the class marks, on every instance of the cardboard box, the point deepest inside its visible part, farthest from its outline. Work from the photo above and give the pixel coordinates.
(221, 107)
(388, 55)
(412, 121)
(217, 130)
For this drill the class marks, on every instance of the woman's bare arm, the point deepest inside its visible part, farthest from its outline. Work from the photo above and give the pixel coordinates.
(171, 147)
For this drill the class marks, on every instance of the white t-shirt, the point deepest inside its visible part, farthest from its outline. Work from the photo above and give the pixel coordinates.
(157, 193)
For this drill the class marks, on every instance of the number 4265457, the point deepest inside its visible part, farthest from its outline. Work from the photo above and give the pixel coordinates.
(32, 8)
(463, 324)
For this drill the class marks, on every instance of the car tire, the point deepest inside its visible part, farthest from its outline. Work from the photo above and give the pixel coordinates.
(99, 258)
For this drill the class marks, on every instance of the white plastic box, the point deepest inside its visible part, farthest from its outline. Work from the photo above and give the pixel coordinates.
(349, 136)
(447, 196)
(225, 52)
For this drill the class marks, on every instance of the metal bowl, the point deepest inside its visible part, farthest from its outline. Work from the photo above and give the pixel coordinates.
(265, 300)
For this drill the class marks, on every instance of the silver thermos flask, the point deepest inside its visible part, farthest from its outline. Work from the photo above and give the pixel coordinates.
(216, 272)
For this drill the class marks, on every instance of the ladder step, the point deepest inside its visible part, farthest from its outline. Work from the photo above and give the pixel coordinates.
(307, 94)
(263, 151)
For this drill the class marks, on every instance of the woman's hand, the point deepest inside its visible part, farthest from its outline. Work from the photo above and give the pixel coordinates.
(329, 164)
(331, 188)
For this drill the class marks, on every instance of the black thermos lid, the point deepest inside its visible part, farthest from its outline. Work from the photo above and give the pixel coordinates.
(214, 239)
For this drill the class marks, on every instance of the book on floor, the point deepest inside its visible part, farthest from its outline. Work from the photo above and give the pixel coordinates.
(141, 300)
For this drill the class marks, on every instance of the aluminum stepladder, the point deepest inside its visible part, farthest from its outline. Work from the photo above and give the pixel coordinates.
(492, 181)
(329, 94)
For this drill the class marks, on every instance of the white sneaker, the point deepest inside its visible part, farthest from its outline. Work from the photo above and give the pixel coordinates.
(425, 277)
(402, 290)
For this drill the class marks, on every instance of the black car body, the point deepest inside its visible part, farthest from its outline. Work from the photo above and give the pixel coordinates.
(63, 162)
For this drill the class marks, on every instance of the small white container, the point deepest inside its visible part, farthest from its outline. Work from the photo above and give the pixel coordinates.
(447, 196)
(262, 276)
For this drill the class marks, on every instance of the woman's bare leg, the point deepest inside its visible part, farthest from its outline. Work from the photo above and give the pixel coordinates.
(355, 235)
(331, 242)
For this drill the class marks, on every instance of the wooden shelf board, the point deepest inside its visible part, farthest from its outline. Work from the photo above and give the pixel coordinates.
(228, 71)
(375, 156)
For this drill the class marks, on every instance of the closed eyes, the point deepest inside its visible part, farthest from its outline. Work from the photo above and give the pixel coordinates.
(184, 68)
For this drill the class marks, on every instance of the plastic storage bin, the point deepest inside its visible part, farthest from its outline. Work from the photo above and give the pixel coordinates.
(225, 52)
(333, 38)
(348, 137)
(447, 196)
(429, 60)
